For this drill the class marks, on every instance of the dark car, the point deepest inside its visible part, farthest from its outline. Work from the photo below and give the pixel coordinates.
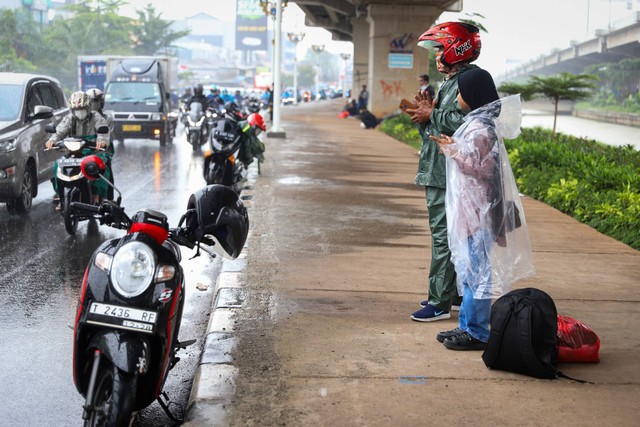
(29, 103)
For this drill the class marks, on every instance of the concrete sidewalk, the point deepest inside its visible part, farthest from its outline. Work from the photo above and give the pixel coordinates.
(311, 327)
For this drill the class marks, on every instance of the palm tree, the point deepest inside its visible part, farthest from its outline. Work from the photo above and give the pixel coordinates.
(563, 87)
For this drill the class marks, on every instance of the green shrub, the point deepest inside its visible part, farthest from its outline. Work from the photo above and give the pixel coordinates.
(597, 184)
(403, 129)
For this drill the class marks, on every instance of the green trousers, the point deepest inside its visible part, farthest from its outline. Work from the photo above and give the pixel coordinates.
(442, 275)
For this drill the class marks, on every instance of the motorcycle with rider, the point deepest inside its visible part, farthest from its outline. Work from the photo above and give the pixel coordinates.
(81, 133)
(197, 118)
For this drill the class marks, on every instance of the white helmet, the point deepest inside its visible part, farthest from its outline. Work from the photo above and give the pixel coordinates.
(97, 99)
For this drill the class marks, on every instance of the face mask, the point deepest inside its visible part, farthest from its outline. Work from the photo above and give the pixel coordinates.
(80, 114)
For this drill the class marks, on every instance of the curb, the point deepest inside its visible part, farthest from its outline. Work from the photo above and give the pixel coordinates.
(215, 377)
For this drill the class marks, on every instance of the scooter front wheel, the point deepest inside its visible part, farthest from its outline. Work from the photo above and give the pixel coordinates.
(114, 397)
(70, 220)
(194, 140)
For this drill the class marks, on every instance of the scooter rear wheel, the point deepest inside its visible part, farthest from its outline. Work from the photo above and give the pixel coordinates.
(114, 398)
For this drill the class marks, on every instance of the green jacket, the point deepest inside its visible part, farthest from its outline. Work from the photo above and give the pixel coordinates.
(445, 119)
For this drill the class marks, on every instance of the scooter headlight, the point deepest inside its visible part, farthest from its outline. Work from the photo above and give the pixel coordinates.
(132, 269)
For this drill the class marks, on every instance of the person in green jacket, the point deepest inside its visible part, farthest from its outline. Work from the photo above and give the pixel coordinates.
(457, 44)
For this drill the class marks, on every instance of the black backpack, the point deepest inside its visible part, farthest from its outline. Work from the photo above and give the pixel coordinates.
(523, 335)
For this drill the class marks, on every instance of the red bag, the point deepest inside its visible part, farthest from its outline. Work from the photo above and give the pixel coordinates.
(576, 342)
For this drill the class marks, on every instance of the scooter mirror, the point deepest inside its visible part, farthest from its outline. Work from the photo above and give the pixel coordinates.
(50, 128)
(92, 167)
(103, 130)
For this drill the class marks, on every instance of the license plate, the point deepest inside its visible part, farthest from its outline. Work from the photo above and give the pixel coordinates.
(119, 312)
(131, 128)
(70, 162)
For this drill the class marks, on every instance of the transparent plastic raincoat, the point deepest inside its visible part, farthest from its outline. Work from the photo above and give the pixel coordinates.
(487, 231)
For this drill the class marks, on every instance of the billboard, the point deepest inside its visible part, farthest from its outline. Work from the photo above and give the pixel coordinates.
(251, 26)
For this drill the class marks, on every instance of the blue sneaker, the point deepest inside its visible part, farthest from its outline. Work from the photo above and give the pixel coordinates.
(430, 314)
(455, 306)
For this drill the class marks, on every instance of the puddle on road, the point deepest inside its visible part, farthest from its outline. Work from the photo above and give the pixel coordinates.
(299, 180)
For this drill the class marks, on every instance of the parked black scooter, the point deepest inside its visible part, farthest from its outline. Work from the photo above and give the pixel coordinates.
(221, 164)
(132, 296)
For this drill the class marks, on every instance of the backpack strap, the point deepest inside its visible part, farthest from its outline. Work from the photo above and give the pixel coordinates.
(498, 323)
(528, 356)
(560, 374)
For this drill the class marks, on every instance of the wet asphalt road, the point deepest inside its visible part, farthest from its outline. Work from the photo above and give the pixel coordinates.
(41, 270)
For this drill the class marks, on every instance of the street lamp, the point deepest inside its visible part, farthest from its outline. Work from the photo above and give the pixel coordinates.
(345, 57)
(275, 10)
(269, 7)
(318, 48)
(295, 38)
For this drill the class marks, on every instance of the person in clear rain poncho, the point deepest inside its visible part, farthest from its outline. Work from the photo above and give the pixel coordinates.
(487, 231)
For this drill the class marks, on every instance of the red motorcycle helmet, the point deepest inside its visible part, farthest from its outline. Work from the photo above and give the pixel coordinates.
(256, 121)
(459, 41)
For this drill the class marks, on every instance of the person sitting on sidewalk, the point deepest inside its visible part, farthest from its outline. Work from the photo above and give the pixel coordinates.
(350, 109)
(368, 120)
(480, 187)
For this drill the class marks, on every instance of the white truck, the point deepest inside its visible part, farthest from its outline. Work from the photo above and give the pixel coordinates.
(138, 96)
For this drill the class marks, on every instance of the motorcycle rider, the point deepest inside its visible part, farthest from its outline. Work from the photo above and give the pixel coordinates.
(214, 97)
(83, 123)
(198, 96)
(97, 105)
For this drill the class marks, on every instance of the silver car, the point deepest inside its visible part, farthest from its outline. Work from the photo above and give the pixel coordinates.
(28, 102)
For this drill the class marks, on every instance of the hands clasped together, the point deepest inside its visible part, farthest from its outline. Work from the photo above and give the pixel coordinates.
(424, 106)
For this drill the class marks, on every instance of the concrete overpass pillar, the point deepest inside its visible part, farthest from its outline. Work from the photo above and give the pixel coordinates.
(395, 60)
(360, 55)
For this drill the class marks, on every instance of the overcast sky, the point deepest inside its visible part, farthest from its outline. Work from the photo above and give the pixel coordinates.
(518, 30)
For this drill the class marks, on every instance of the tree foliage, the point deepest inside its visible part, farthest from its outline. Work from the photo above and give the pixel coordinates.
(88, 27)
(152, 34)
(13, 46)
(621, 79)
(526, 91)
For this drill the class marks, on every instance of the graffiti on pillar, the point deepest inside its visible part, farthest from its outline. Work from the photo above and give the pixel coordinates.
(400, 42)
(391, 88)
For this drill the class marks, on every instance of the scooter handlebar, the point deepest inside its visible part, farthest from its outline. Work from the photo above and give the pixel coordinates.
(178, 236)
(109, 212)
(92, 209)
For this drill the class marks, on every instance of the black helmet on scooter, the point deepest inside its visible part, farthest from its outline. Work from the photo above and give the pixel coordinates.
(231, 107)
(198, 89)
(218, 219)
